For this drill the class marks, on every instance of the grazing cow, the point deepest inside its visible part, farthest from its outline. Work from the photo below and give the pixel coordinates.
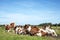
(7, 28)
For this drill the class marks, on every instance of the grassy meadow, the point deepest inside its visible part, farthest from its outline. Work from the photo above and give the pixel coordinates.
(12, 36)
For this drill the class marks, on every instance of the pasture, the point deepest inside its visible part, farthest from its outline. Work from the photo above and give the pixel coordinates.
(12, 36)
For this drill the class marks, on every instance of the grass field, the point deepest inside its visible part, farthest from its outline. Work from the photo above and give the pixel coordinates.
(12, 36)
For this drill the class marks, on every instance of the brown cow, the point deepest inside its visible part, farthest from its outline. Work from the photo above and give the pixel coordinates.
(34, 30)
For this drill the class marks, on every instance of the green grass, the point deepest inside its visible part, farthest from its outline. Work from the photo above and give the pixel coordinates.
(12, 36)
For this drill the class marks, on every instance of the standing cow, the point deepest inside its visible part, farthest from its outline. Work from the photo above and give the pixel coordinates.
(9, 27)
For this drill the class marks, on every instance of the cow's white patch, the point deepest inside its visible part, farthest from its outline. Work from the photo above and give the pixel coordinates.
(29, 28)
(19, 30)
(39, 34)
(16, 30)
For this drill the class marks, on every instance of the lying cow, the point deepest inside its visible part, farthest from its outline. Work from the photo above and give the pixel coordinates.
(47, 31)
(18, 29)
(30, 30)
(50, 31)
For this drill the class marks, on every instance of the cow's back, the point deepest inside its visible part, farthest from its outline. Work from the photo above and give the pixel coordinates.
(34, 30)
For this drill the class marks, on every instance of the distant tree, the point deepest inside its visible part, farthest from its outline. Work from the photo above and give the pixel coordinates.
(2, 25)
(55, 24)
(59, 24)
(45, 24)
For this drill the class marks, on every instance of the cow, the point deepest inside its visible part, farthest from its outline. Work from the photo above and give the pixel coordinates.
(9, 27)
(31, 30)
(26, 29)
(18, 29)
(50, 31)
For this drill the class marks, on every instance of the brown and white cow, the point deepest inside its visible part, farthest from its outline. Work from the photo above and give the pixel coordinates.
(50, 31)
(9, 26)
(46, 30)
(18, 29)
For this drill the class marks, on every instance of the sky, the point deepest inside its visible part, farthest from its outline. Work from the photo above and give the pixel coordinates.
(29, 11)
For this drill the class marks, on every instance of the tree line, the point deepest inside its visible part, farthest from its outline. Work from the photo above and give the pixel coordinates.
(49, 24)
